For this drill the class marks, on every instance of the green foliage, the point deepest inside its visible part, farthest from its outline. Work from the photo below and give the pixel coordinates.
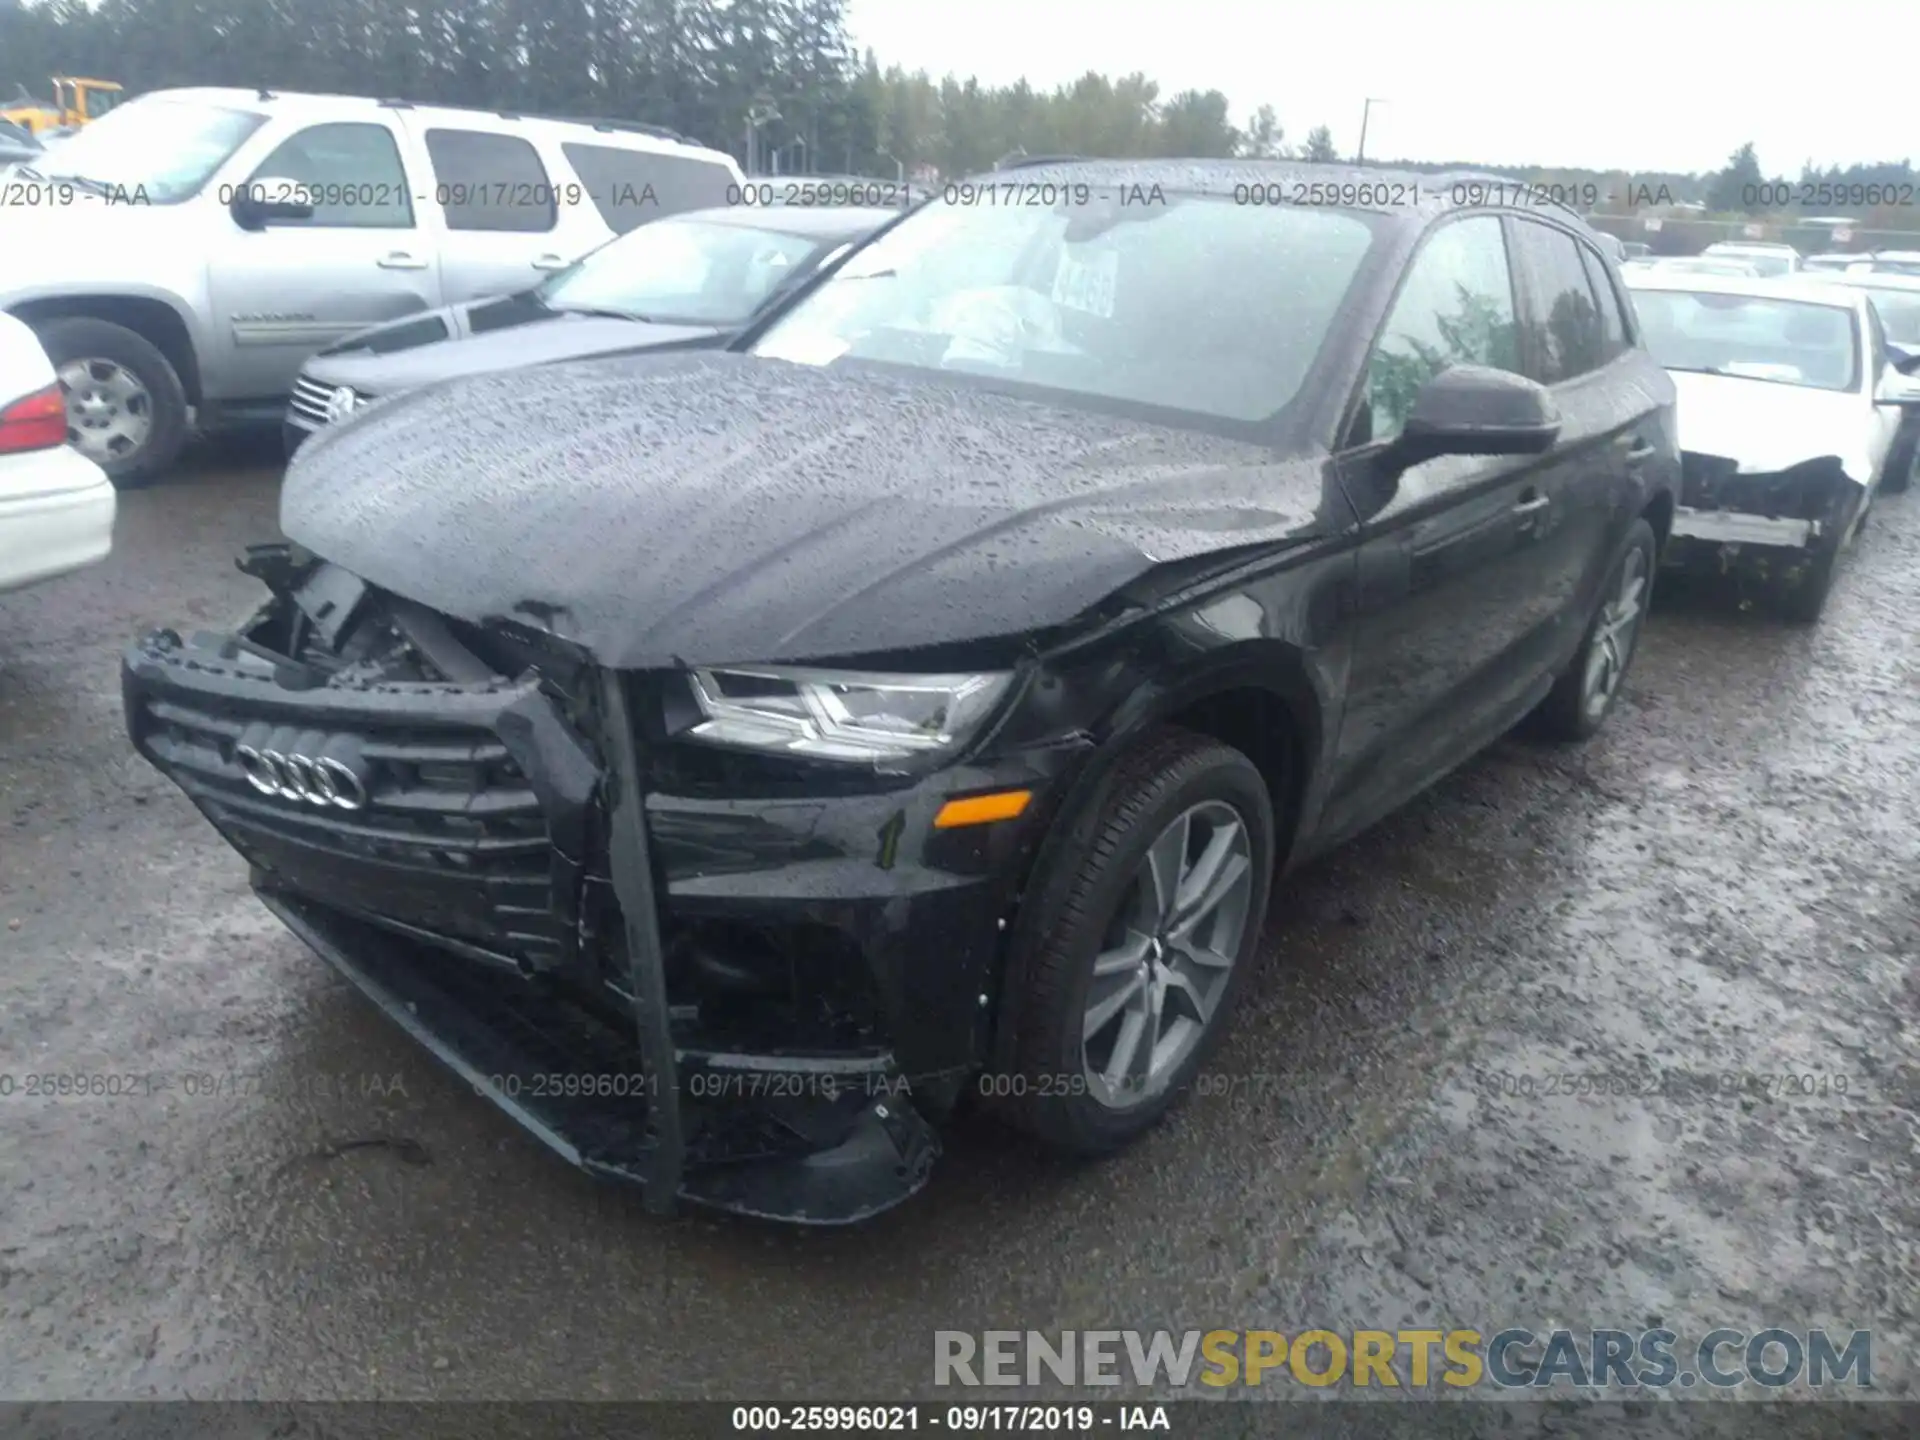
(1479, 332)
(698, 66)
(1729, 189)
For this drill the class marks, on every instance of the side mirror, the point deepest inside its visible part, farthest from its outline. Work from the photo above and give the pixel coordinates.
(267, 199)
(1475, 410)
(1906, 358)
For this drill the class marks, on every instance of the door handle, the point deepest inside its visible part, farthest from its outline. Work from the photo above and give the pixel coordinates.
(401, 260)
(1532, 503)
(549, 262)
(1638, 450)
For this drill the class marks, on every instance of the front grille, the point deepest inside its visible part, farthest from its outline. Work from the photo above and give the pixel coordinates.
(452, 839)
(310, 399)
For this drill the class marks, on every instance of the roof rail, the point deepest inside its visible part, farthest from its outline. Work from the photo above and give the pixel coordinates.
(597, 122)
(1538, 195)
(602, 122)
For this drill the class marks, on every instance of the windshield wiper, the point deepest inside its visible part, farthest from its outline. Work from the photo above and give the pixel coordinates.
(85, 182)
(604, 312)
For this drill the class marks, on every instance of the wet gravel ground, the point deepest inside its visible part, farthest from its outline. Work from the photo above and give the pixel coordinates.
(1723, 884)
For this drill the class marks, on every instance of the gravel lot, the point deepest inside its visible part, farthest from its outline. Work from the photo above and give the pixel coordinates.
(1724, 882)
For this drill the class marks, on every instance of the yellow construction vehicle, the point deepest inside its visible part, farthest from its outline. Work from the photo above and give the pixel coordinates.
(75, 102)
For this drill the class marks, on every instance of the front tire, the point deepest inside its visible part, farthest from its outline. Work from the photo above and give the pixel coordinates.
(126, 408)
(1806, 601)
(1584, 695)
(1143, 937)
(1903, 466)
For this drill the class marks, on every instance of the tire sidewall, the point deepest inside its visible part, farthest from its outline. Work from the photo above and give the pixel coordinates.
(83, 338)
(1224, 775)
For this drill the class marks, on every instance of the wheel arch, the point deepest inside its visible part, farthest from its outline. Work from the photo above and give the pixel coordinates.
(1259, 697)
(156, 319)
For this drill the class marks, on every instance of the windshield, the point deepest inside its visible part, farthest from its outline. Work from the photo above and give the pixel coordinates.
(1790, 342)
(699, 272)
(1899, 314)
(1188, 303)
(158, 152)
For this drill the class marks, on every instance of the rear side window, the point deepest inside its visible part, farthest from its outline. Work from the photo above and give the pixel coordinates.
(1456, 308)
(631, 187)
(1615, 337)
(1567, 340)
(490, 182)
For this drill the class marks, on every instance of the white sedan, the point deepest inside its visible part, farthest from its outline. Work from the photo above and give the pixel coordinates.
(1789, 399)
(56, 506)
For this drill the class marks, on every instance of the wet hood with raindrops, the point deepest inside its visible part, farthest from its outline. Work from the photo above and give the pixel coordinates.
(715, 508)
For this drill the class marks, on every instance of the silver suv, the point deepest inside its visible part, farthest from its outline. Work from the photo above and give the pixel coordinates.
(180, 257)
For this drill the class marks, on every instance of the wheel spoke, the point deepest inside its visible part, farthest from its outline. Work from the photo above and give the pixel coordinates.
(1212, 877)
(1134, 947)
(1114, 996)
(1166, 860)
(1630, 594)
(122, 387)
(1596, 663)
(1204, 956)
(1188, 997)
(1132, 1053)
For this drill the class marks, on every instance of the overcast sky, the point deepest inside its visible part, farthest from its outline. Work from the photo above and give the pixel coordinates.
(1675, 85)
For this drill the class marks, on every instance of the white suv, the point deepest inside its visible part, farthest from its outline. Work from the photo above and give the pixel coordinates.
(198, 245)
(56, 506)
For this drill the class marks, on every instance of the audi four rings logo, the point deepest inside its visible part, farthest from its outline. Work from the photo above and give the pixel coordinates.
(288, 769)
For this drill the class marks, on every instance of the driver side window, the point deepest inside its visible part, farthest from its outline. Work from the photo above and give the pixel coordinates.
(1456, 308)
(352, 171)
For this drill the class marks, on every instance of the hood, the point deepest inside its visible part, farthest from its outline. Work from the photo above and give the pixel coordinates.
(715, 507)
(1766, 427)
(485, 336)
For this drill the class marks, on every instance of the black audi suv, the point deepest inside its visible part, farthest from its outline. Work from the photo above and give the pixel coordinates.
(732, 762)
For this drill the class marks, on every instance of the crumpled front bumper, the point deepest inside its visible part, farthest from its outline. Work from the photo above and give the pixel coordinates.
(876, 1149)
(468, 918)
(1796, 509)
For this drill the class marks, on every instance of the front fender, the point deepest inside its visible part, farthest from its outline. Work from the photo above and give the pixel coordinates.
(46, 298)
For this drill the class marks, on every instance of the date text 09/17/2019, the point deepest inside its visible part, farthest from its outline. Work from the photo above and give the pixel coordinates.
(954, 1419)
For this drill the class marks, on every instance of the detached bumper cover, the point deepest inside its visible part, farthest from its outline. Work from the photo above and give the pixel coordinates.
(602, 1111)
(470, 899)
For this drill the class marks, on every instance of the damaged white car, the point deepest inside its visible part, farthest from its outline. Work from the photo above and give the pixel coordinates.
(1790, 396)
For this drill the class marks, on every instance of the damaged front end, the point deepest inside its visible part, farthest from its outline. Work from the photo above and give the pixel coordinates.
(1773, 525)
(467, 822)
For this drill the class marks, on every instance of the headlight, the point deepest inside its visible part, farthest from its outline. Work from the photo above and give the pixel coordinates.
(842, 714)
